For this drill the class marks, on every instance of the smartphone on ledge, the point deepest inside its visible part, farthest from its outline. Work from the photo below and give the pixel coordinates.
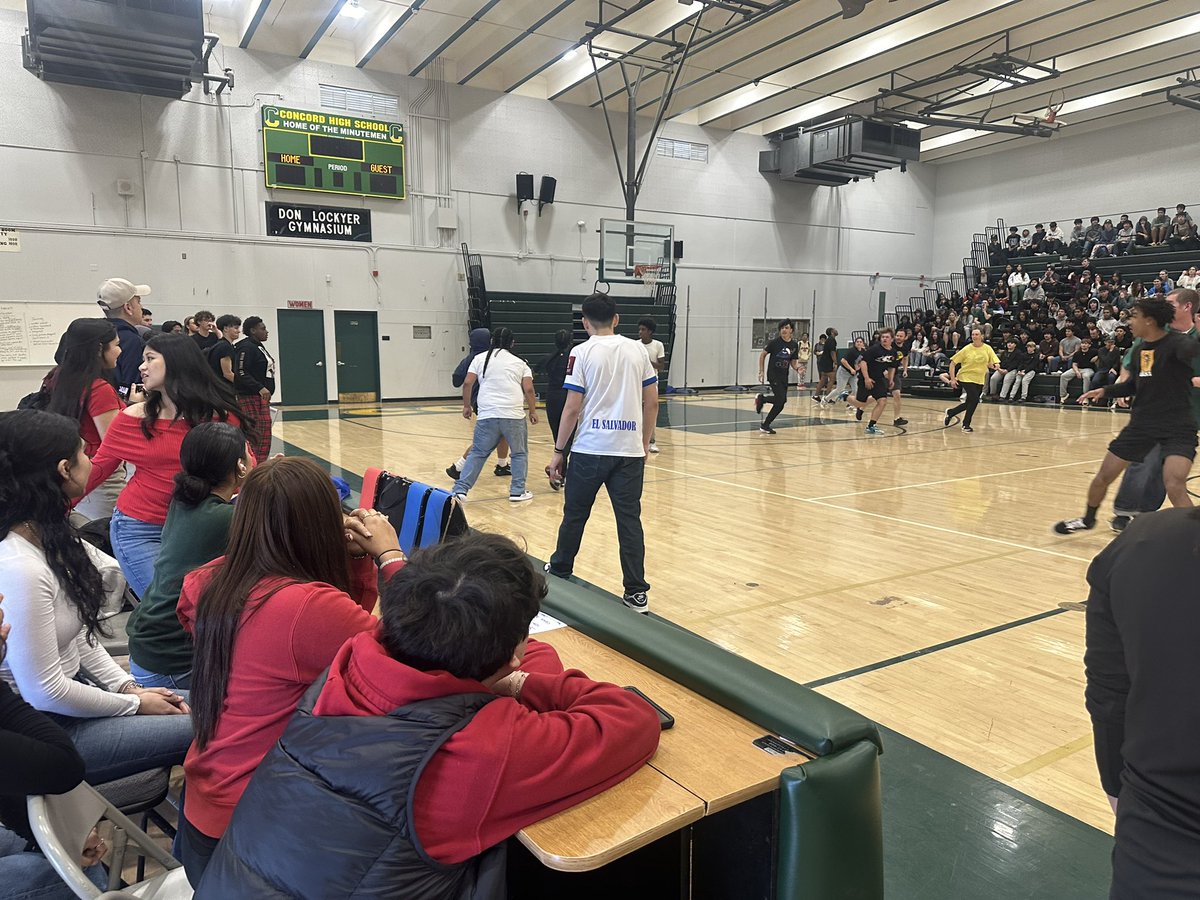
(665, 719)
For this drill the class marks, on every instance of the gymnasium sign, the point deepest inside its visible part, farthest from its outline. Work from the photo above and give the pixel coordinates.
(331, 223)
(333, 153)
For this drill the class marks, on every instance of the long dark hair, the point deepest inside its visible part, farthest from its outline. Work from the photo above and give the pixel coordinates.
(502, 339)
(209, 454)
(288, 524)
(32, 444)
(80, 359)
(198, 394)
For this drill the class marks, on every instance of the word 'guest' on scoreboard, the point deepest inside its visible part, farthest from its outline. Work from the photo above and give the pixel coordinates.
(318, 151)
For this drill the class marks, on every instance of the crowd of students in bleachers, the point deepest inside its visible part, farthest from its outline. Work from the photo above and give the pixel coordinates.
(255, 594)
(1097, 239)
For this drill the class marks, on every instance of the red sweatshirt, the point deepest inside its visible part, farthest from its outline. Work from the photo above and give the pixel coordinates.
(280, 650)
(567, 739)
(148, 493)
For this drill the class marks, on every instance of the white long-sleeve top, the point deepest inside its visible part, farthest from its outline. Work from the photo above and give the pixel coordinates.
(1018, 278)
(47, 646)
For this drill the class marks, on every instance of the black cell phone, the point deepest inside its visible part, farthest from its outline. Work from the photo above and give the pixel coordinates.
(665, 719)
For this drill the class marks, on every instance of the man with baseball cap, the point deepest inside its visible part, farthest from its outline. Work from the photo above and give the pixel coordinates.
(121, 301)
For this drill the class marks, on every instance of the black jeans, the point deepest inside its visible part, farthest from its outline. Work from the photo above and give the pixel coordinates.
(555, 402)
(195, 848)
(778, 399)
(973, 391)
(622, 477)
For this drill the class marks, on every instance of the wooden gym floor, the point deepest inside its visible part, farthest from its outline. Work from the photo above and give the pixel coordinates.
(912, 577)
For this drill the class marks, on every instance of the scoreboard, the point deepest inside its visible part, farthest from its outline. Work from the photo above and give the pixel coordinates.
(332, 153)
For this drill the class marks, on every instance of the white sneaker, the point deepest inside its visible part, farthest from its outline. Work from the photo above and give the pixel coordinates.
(653, 447)
(461, 498)
(520, 498)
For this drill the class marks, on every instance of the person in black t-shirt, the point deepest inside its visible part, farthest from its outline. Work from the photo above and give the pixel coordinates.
(826, 365)
(555, 367)
(206, 330)
(781, 354)
(222, 356)
(877, 369)
(1161, 382)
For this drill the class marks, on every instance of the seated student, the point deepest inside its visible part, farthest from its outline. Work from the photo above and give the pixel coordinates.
(449, 710)
(215, 461)
(1055, 242)
(36, 757)
(1108, 363)
(1083, 367)
(1142, 232)
(55, 586)
(999, 380)
(297, 581)
(181, 392)
(1024, 367)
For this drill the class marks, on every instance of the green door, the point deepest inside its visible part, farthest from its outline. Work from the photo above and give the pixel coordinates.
(357, 336)
(301, 342)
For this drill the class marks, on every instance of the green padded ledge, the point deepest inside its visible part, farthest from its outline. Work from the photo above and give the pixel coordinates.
(818, 724)
(831, 829)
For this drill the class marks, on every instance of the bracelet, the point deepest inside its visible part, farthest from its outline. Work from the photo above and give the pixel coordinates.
(379, 558)
(556, 450)
(520, 685)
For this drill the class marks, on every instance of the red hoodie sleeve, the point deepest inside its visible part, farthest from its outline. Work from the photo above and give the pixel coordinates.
(567, 740)
(327, 620)
(541, 658)
(113, 450)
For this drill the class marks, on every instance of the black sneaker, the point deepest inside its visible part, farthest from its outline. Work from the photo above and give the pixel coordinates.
(638, 602)
(1070, 526)
(503, 471)
(765, 429)
(899, 422)
(968, 429)
(1119, 523)
(758, 404)
(454, 472)
(949, 416)
(858, 415)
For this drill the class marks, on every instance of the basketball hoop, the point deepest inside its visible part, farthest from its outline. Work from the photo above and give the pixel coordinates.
(649, 274)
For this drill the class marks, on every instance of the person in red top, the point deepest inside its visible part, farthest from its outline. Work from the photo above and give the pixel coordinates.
(448, 709)
(181, 391)
(80, 387)
(297, 581)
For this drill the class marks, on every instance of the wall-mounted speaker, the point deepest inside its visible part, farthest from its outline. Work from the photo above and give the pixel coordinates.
(546, 190)
(524, 187)
(679, 249)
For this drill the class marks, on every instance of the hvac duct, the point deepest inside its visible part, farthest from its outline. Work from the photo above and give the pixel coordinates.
(841, 152)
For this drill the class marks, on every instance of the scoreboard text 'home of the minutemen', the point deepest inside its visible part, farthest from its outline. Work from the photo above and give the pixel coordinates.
(320, 151)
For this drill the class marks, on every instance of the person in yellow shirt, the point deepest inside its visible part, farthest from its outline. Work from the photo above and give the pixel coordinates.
(970, 365)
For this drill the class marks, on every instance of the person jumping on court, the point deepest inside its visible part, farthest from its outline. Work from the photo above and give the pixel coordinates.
(480, 340)
(970, 365)
(784, 354)
(612, 395)
(1160, 382)
(877, 368)
(505, 389)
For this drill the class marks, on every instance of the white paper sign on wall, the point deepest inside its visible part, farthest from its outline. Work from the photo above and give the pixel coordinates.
(10, 240)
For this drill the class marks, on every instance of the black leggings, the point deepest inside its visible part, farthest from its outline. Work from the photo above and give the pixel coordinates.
(973, 391)
(778, 400)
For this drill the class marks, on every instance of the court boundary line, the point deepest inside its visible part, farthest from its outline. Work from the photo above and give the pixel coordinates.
(1080, 462)
(933, 648)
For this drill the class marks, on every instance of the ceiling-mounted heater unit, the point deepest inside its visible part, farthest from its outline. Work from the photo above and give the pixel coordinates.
(140, 46)
(841, 152)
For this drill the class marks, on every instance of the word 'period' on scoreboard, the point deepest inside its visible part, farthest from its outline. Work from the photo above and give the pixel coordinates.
(317, 151)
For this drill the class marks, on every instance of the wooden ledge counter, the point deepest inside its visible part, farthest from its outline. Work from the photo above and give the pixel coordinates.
(709, 751)
(641, 809)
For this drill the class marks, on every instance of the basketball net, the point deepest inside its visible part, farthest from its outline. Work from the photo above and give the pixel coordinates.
(649, 273)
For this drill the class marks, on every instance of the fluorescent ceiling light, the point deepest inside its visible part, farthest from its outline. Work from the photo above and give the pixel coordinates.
(352, 10)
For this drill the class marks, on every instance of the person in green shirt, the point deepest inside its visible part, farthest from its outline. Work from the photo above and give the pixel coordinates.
(215, 459)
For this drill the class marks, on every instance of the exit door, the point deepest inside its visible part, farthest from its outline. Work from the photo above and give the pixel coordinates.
(302, 371)
(357, 336)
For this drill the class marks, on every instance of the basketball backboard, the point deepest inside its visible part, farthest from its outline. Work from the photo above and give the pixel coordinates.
(626, 248)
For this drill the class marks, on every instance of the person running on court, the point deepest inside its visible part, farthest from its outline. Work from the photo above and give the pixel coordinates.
(784, 354)
(479, 340)
(657, 353)
(848, 369)
(826, 363)
(505, 388)
(1161, 381)
(877, 368)
(900, 370)
(613, 398)
(970, 365)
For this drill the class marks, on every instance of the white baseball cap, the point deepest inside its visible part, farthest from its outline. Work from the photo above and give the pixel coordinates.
(116, 292)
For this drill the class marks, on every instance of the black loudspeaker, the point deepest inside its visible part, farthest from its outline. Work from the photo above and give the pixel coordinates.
(679, 249)
(546, 190)
(524, 187)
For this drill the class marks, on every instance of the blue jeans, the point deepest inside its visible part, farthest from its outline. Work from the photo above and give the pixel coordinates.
(146, 678)
(622, 477)
(136, 545)
(1142, 488)
(488, 433)
(29, 876)
(118, 746)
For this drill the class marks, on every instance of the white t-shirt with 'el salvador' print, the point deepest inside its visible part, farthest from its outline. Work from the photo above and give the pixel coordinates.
(610, 371)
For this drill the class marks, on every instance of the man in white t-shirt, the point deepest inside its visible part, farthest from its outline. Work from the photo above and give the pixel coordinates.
(612, 402)
(657, 354)
(505, 387)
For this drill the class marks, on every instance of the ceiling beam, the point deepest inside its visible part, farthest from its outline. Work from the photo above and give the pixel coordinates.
(445, 45)
(390, 33)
